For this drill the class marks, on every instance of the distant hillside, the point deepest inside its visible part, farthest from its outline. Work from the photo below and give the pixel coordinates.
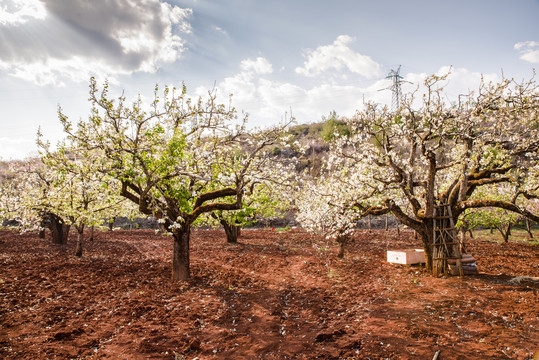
(315, 137)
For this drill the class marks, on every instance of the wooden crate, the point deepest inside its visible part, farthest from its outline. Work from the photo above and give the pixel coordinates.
(406, 257)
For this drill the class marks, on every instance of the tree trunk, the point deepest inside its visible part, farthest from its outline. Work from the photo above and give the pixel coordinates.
(340, 255)
(80, 231)
(370, 225)
(505, 231)
(180, 256)
(91, 233)
(431, 180)
(111, 223)
(59, 229)
(505, 237)
(427, 239)
(529, 228)
(232, 231)
(44, 224)
(65, 232)
(342, 240)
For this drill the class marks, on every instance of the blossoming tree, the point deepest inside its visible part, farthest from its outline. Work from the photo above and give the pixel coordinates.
(59, 190)
(79, 193)
(405, 163)
(269, 195)
(175, 158)
(265, 199)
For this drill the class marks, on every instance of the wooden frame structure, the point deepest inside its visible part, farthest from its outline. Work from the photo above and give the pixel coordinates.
(446, 243)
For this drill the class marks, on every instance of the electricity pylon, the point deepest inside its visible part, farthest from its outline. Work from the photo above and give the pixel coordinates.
(395, 87)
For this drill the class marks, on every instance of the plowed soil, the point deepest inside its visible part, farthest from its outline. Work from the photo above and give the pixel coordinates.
(274, 295)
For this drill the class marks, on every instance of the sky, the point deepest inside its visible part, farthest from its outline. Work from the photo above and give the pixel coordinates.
(277, 57)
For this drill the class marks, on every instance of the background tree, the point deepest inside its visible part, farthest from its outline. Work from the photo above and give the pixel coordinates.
(80, 193)
(500, 219)
(492, 218)
(322, 208)
(12, 186)
(24, 199)
(264, 199)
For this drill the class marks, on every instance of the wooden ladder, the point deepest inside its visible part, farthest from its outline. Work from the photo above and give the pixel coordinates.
(445, 244)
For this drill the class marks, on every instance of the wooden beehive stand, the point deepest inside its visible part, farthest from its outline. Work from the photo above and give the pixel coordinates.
(446, 244)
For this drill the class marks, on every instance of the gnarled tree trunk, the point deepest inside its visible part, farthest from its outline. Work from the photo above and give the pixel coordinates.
(59, 229)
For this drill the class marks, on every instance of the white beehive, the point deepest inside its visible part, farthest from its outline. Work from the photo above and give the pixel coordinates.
(406, 257)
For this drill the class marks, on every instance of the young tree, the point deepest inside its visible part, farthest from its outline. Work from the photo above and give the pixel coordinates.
(264, 199)
(405, 163)
(269, 194)
(79, 192)
(175, 158)
(321, 205)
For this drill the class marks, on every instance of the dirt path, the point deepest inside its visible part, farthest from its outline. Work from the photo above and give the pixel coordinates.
(276, 295)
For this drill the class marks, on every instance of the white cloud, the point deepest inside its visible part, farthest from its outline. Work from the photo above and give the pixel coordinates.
(338, 56)
(18, 12)
(107, 38)
(259, 66)
(243, 86)
(53, 71)
(267, 100)
(529, 51)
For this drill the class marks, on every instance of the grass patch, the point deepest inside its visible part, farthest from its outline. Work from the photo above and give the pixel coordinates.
(517, 235)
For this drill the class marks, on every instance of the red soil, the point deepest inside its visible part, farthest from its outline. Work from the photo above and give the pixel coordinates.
(275, 295)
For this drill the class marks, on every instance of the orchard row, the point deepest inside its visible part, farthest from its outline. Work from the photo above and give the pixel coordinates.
(185, 162)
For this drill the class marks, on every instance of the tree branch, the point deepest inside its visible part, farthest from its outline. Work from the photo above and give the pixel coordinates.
(214, 195)
(483, 203)
(402, 217)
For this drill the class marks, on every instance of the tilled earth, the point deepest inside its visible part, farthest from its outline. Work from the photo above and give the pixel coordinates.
(274, 295)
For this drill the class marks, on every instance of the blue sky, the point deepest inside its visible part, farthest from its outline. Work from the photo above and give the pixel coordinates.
(305, 56)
